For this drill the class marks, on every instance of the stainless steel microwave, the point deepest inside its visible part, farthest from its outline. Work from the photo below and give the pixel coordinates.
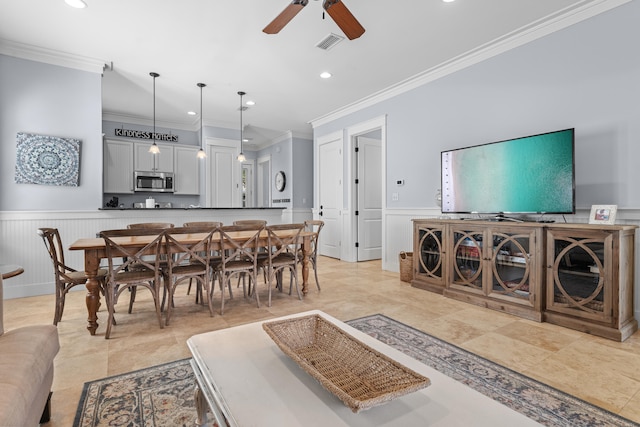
(153, 181)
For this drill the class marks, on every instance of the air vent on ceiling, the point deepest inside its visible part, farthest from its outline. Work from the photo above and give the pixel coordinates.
(330, 41)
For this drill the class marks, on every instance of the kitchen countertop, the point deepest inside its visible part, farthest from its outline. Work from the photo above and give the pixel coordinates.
(186, 209)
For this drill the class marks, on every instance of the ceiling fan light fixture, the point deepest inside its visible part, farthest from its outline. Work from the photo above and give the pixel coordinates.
(78, 4)
(154, 149)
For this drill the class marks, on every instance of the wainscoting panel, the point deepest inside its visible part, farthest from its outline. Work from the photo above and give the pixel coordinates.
(399, 234)
(21, 245)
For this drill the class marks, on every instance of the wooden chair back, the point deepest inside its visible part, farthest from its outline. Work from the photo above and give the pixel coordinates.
(146, 256)
(213, 224)
(250, 222)
(241, 249)
(53, 243)
(150, 225)
(284, 239)
(182, 253)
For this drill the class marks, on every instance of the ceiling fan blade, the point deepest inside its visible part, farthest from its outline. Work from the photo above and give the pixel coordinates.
(285, 16)
(343, 18)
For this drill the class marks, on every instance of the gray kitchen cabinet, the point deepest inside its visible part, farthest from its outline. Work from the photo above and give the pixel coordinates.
(145, 161)
(186, 170)
(118, 167)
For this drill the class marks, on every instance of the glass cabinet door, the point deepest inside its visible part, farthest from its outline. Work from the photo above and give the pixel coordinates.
(467, 266)
(578, 274)
(511, 265)
(430, 254)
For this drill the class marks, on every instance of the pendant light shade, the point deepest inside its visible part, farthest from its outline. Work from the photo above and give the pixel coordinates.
(241, 157)
(201, 153)
(154, 149)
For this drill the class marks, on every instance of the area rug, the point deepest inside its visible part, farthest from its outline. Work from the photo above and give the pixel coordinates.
(164, 395)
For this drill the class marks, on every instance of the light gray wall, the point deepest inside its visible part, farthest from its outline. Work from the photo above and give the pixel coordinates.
(586, 76)
(294, 156)
(56, 101)
(302, 167)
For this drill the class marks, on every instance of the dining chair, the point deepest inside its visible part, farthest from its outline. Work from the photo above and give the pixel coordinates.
(188, 261)
(65, 277)
(262, 254)
(314, 226)
(139, 267)
(283, 245)
(239, 256)
(163, 259)
(200, 224)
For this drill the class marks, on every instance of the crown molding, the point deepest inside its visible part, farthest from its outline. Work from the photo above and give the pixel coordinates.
(53, 57)
(538, 29)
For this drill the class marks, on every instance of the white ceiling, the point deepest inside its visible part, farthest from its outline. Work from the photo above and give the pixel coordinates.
(221, 44)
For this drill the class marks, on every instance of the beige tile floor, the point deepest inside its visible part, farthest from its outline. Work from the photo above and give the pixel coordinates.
(603, 372)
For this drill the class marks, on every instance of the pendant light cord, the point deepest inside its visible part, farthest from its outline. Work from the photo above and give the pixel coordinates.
(201, 153)
(241, 156)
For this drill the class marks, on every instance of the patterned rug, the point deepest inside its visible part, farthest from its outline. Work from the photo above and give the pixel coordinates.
(163, 395)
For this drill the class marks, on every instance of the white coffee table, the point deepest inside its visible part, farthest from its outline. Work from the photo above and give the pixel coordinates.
(246, 380)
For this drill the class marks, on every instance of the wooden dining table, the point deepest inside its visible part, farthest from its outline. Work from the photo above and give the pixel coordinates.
(95, 250)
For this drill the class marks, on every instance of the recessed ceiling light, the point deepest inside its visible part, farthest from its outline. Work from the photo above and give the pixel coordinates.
(191, 113)
(448, 1)
(251, 103)
(325, 75)
(78, 4)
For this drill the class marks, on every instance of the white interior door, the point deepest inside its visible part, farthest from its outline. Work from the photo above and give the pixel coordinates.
(223, 177)
(248, 199)
(369, 198)
(330, 172)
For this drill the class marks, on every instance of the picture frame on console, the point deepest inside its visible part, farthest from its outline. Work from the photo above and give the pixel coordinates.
(603, 214)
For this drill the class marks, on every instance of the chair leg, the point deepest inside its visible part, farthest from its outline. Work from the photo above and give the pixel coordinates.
(169, 306)
(132, 297)
(315, 272)
(293, 278)
(59, 306)
(155, 289)
(254, 278)
(224, 281)
(110, 300)
(209, 290)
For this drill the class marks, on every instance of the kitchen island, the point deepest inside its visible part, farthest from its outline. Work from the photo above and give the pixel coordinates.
(26, 248)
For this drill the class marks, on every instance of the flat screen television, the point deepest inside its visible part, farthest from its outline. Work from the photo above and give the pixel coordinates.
(531, 174)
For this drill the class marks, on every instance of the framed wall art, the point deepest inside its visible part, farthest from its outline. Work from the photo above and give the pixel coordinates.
(47, 160)
(603, 214)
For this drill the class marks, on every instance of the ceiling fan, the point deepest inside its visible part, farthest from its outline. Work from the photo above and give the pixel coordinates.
(336, 10)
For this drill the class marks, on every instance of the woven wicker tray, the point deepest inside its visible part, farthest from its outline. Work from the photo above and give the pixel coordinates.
(357, 374)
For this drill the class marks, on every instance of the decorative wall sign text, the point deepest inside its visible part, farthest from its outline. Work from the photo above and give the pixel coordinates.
(140, 134)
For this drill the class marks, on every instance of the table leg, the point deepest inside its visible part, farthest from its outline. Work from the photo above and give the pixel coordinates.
(201, 406)
(306, 249)
(91, 265)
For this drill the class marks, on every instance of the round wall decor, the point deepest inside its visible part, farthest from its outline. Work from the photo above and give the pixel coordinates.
(281, 181)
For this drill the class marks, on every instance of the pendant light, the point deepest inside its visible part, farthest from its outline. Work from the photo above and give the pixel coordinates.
(241, 157)
(201, 154)
(154, 149)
